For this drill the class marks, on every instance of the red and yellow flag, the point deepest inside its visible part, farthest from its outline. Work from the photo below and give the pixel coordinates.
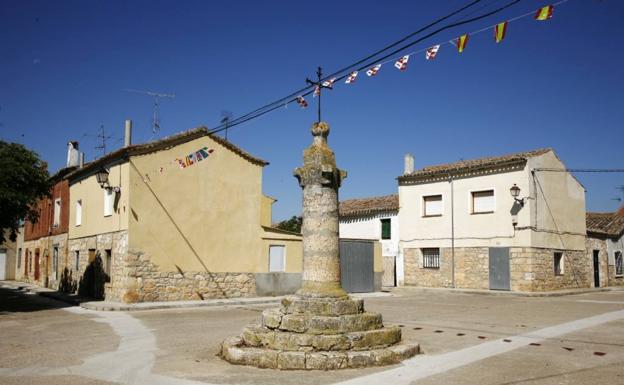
(461, 42)
(499, 31)
(544, 13)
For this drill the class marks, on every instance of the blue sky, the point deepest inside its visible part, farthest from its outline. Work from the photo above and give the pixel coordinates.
(548, 84)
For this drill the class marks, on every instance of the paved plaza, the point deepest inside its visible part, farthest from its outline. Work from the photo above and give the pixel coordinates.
(465, 339)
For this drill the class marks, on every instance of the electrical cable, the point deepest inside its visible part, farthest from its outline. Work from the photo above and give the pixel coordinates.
(308, 89)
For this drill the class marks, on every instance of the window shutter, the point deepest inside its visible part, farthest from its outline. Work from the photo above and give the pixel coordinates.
(433, 205)
(386, 232)
(483, 201)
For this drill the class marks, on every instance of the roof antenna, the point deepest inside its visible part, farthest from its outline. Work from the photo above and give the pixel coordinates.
(156, 96)
(226, 116)
(101, 137)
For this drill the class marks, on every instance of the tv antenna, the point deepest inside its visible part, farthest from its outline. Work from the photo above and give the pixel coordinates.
(226, 116)
(101, 138)
(157, 96)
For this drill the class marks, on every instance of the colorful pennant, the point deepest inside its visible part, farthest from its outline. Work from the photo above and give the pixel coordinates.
(500, 30)
(432, 52)
(461, 42)
(191, 159)
(401, 64)
(373, 70)
(351, 77)
(544, 13)
(329, 83)
(302, 102)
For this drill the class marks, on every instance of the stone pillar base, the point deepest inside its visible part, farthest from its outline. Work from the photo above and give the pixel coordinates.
(309, 333)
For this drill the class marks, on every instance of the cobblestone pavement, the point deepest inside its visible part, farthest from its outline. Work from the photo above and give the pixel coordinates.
(467, 339)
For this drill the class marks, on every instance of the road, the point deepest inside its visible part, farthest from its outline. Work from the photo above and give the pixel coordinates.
(466, 339)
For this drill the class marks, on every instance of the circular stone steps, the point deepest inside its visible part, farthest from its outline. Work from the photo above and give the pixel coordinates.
(318, 333)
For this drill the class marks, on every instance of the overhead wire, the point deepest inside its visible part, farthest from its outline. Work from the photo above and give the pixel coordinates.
(309, 89)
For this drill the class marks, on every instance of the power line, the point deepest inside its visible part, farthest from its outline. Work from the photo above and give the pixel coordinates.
(580, 169)
(307, 90)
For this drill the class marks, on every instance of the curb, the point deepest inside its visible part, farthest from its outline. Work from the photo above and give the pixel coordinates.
(498, 293)
(118, 306)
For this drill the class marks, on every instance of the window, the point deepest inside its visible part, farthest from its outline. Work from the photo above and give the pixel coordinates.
(386, 232)
(276, 258)
(77, 260)
(431, 258)
(432, 205)
(57, 213)
(19, 258)
(558, 263)
(618, 264)
(108, 260)
(483, 202)
(108, 202)
(55, 262)
(78, 212)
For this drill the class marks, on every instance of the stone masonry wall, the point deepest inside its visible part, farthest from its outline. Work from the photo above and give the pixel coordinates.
(609, 279)
(139, 280)
(531, 269)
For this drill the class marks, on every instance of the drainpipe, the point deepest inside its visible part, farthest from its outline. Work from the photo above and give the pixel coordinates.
(452, 232)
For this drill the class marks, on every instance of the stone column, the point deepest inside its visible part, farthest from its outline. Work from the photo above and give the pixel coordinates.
(320, 179)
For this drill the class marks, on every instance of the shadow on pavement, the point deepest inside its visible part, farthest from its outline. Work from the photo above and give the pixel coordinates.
(14, 300)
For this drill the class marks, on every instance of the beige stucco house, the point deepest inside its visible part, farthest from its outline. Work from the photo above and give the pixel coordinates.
(179, 218)
(461, 227)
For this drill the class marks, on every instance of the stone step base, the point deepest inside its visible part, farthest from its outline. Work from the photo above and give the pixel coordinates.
(259, 336)
(320, 324)
(322, 306)
(234, 351)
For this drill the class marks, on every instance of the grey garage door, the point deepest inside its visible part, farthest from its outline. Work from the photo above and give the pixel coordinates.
(356, 265)
(499, 268)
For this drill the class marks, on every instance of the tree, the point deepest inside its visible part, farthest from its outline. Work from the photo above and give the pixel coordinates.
(24, 179)
(293, 224)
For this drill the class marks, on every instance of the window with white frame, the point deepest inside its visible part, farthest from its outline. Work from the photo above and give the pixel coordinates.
(277, 258)
(79, 212)
(431, 258)
(109, 196)
(432, 205)
(483, 202)
(558, 263)
(57, 212)
(619, 269)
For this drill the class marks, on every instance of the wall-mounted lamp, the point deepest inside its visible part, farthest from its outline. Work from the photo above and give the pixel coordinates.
(102, 179)
(515, 193)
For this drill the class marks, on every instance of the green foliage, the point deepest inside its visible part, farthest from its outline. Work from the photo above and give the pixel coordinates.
(24, 179)
(293, 224)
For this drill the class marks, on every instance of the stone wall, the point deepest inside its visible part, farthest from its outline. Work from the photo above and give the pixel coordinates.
(139, 280)
(607, 270)
(531, 269)
(47, 276)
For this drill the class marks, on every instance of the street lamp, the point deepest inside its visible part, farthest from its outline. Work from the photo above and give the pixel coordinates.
(102, 177)
(515, 193)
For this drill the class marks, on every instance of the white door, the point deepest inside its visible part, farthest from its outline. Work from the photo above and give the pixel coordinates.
(2, 265)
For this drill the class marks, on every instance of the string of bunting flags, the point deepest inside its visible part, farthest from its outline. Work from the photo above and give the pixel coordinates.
(500, 30)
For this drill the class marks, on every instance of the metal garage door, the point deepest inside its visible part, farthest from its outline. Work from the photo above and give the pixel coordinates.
(499, 268)
(356, 266)
(3, 256)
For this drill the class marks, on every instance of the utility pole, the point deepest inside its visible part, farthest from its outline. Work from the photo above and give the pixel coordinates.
(318, 88)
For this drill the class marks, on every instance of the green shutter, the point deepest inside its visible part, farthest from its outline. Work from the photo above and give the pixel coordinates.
(385, 229)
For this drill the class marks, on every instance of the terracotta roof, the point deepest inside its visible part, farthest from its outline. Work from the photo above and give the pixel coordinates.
(162, 144)
(475, 164)
(609, 224)
(369, 206)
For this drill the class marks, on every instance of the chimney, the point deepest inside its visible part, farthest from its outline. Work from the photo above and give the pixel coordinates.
(81, 164)
(128, 133)
(72, 154)
(408, 167)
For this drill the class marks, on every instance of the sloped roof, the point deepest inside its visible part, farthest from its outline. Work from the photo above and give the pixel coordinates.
(369, 206)
(475, 164)
(162, 144)
(608, 224)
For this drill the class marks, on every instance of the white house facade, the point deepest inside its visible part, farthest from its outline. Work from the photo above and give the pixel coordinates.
(460, 226)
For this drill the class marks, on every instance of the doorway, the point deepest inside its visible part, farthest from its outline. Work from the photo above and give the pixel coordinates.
(596, 268)
(499, 268)
(36, 263)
